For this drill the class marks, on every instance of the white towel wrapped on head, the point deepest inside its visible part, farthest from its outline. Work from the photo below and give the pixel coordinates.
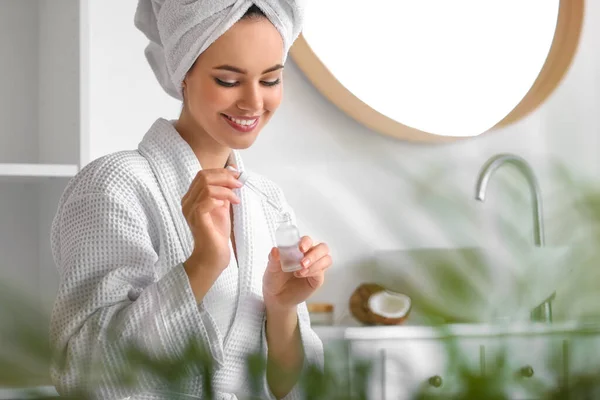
(180, 30)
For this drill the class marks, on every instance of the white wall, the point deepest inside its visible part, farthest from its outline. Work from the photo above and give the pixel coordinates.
(125, 98)
(346, 182)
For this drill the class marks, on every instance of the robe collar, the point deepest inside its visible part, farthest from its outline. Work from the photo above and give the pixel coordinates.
(175, 165)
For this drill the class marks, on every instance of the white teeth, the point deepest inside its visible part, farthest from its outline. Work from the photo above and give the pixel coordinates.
(243, 122)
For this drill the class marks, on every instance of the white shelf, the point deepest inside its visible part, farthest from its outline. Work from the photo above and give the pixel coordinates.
(43, 135)
(40, 81)
(26, 393)
(33, 172)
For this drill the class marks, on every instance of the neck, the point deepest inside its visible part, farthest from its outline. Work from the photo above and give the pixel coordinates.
(210, 153)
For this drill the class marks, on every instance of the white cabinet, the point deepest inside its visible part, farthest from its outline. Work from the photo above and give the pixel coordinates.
(529, 364)
(43, 133)
(40, 84)
(404, 367)
(582, 360)
(59, 59)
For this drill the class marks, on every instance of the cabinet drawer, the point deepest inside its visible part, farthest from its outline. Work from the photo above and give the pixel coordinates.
(403, 368)
(529, 365)
(583, 363)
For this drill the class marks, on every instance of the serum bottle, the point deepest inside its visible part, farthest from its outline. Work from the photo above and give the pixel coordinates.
(287, 235)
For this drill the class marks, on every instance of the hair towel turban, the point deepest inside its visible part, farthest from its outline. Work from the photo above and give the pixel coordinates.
(180, 30)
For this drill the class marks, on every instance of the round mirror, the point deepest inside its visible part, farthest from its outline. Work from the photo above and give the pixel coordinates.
(435, 70)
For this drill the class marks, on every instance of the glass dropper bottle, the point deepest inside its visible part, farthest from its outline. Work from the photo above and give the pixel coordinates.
(287, 235)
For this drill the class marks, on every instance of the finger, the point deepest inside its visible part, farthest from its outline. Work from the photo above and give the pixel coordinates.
(189, 199)
(223, 177)
(204, 201)
(194, 188)
(236, 173)
(274, 259)
(219, 193)
(274, 254)
(208, 205)
(305, 244)
(215, 196)
(316, 281)
(318, 267)
(315, 253)
(215, 177)
(219, 178)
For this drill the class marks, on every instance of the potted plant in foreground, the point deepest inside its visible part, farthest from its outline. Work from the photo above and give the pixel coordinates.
(25, 355)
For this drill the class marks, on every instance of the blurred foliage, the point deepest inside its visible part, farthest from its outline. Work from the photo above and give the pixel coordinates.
(25, 353)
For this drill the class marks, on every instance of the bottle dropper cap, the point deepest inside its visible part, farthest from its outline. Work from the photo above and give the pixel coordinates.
(285, 217)
(243, 178)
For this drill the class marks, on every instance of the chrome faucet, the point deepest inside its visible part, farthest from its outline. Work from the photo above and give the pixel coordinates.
(542, 312)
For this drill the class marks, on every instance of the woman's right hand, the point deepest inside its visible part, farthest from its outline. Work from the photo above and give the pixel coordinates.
(206, 207)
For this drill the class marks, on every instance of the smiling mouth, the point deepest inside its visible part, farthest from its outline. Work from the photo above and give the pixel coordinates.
(241, 124)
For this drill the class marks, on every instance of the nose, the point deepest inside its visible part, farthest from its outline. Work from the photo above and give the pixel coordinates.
(251, 100)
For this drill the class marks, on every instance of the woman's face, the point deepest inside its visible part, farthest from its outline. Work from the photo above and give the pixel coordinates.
(235, 86)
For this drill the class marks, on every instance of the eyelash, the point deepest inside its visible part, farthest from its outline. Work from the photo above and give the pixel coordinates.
(230, 85)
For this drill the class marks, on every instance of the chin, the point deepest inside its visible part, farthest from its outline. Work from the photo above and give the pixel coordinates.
(241, 142)
(240, 146)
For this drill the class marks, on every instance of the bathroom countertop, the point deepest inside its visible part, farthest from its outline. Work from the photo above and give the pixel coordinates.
(354, 331)
(25, 393)
(327, 333)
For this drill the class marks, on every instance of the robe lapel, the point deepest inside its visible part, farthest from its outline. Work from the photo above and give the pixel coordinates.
(254, 241)
(175, 165)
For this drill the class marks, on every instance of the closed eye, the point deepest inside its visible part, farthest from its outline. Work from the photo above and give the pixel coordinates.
(271, 83)
(233, 84)
(224, 83)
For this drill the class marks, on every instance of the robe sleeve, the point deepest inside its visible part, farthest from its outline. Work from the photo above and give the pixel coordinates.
(110, 297)
(311, 343)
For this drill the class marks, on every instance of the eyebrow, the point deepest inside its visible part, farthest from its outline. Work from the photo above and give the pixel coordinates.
(241, 71)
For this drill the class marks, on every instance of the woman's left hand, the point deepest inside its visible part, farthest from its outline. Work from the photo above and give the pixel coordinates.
(288, 289)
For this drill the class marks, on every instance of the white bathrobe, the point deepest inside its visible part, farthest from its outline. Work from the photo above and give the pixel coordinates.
(119, 239)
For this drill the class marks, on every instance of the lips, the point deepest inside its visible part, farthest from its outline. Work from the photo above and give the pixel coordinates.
(241, 124)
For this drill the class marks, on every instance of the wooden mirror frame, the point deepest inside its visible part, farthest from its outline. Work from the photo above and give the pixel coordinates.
(559, 59)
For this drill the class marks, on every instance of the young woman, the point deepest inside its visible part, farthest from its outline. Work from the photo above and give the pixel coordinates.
(163, 246)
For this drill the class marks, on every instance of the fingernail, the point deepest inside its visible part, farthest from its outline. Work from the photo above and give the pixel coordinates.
(297, 274)
(232, 168)
(306, 262)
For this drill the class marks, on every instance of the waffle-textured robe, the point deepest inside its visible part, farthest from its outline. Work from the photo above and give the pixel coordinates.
(119, 239)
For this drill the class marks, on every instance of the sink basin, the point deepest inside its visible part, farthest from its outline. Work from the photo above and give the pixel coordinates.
(472, 284)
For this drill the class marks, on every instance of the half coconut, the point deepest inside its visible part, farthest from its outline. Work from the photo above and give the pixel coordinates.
(372, 304)
(392, 308)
